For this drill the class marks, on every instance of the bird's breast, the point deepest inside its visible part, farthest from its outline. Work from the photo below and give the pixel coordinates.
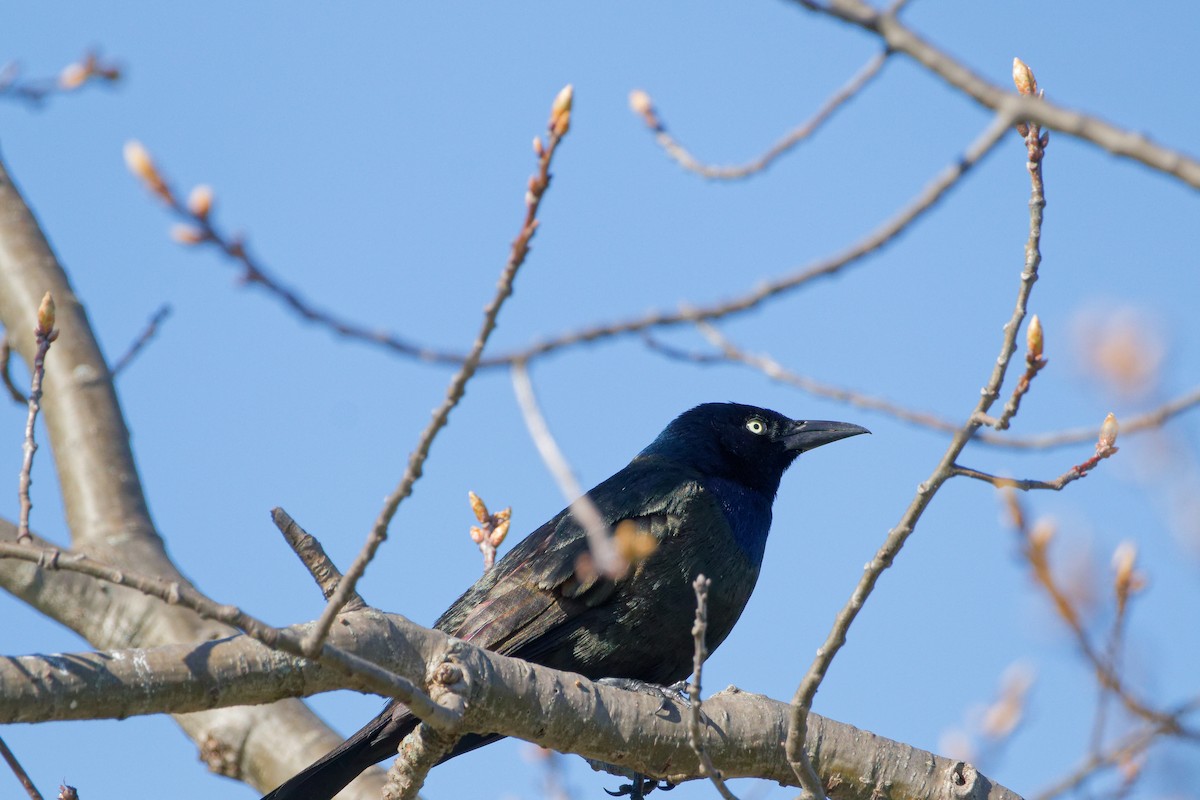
(747, 512)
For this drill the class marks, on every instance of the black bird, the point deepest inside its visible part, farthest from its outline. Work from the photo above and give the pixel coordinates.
(703, 489)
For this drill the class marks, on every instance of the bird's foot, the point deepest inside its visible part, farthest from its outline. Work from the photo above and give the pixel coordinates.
(640, 787)
(676, 693)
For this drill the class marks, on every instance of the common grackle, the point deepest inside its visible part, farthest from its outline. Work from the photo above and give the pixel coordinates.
(703, 489)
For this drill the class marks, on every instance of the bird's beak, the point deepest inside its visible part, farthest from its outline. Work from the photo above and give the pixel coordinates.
(808, 434)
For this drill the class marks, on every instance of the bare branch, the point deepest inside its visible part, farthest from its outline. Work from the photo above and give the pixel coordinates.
(313, 556)
(1118, 141)
(520, 699)
(641, 104)
(560, 120)
(19, 771)
(44, 335)
(696, 724)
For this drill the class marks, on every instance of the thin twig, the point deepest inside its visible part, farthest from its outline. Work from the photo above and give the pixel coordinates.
(312, 555)
(695, 721)
(643, 106)
(1073, 474)
(19, 771)
(1034, 363)
(6, 376)
(897, 536)
(1142, 422)
(605, 557)
(45, 334)
(560, 117)
(147, 334)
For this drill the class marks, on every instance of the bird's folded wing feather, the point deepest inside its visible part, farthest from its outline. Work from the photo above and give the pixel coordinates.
(547, 580)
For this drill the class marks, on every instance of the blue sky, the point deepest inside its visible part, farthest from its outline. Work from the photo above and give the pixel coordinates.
(376, 157)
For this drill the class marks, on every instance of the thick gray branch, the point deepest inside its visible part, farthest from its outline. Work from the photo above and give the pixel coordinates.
(743, 733)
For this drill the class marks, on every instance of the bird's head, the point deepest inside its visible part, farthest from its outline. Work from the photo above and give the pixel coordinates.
(752, 446)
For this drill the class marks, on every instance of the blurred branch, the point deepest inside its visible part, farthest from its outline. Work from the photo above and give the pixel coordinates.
(6, 376)
(559, 124)
(902, 39)
(605, 557)
(1128, 748)
(148, 333)
(1035, 550)
(642, 105)
(36, 91)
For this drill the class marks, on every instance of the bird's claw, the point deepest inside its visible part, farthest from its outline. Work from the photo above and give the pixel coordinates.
(640, 787)
(676, 693)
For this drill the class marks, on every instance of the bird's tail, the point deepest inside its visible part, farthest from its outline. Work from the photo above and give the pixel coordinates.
(327, 776)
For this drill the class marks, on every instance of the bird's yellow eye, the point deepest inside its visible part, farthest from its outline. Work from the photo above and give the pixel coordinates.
(756, 426)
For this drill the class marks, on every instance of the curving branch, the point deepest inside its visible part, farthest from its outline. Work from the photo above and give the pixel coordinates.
(642, 105)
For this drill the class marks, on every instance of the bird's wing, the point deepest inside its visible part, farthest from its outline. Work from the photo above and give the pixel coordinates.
(546, 580)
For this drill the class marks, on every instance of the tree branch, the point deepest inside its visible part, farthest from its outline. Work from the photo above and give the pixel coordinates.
(1118, 141)
(642, 105)
(633, 729)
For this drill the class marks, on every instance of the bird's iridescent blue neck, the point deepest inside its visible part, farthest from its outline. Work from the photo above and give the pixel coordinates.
(748, 513)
